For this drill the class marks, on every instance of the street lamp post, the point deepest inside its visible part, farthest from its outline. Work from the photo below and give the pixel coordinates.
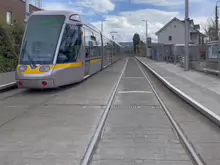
(27, 11)
(186, 67)
(101, 26)
(146, 38)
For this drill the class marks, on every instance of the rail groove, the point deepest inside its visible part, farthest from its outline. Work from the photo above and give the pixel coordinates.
(196, 157)
(98, 132)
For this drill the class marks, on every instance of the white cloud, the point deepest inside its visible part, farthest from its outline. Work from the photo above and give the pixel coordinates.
(128, 23)
(70, 6)
(84, 7)
(101, 6)
(167, 3)
(62, 6)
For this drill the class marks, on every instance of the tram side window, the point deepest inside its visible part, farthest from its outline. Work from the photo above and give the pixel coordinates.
(91, 43)
(105, 44)
(98, 44)
(109, 48)
(70, 44)
(94, 45)
(88, 43)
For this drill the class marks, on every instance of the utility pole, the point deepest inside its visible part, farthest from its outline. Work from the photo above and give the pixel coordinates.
(216, 20)
(146, 38)
(186, 67)
(101, 26)
(27, 11)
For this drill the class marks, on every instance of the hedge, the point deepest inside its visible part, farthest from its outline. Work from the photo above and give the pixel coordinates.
(10, 42)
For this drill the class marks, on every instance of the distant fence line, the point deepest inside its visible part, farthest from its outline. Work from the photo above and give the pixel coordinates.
(201, 58)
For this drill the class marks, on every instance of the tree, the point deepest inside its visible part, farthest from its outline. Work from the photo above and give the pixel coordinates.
(16, 33)
(10, 43)
(6, 51)
(210, 29)
(136, 42)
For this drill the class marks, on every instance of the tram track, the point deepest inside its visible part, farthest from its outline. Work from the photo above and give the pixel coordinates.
(96, 139)
(11, 90)
(162, 95)
(18, 92)
(99, 129)
(197, 159)
(202, 134)
(8, 94)
(51, 115)
(27, 94)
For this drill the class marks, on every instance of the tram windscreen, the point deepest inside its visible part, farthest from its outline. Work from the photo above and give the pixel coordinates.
(40, 40)
(70, 44)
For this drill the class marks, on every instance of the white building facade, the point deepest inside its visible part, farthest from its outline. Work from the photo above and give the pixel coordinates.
(174, 33)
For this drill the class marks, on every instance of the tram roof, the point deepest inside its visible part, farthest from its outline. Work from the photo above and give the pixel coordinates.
(68, 13)
(55, 12)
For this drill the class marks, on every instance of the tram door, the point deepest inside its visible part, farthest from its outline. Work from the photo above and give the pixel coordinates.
(89, 50)
(87, 60)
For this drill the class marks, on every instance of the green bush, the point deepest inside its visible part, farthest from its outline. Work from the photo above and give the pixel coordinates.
(10, 42)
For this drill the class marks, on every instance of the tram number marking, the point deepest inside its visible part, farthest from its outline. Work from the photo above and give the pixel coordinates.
(72, 26)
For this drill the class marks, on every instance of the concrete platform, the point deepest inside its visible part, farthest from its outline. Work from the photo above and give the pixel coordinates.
(137, 130)
(7, 80)
(199, 89)
(54, 126)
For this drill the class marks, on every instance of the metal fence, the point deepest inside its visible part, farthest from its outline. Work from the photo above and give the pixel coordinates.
(201, 57)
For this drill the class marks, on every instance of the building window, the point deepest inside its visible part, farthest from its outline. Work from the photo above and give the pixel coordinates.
(170, 38)
(9, 17)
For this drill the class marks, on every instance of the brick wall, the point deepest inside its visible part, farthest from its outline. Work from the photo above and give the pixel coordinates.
(17, 7)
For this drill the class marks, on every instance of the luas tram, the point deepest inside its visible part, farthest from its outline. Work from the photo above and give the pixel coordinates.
(58, 48)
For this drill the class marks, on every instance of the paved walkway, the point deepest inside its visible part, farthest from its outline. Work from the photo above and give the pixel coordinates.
(202, 88)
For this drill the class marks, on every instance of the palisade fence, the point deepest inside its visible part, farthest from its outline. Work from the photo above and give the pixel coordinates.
(202, 58)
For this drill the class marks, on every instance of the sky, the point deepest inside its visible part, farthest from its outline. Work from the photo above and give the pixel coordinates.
(126, 16)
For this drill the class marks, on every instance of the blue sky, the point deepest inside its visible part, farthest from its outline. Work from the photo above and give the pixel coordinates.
(126, 16)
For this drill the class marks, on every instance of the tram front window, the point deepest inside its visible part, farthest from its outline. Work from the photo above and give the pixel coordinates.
(70, 44)
(41, 39)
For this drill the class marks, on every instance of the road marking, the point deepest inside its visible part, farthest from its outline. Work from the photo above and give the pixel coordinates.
(135, 77)
(122, 92)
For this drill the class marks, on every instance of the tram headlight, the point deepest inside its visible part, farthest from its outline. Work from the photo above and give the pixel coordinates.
(44, 69)
(22, 68)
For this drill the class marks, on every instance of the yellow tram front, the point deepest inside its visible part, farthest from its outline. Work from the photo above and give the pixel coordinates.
(47, 45)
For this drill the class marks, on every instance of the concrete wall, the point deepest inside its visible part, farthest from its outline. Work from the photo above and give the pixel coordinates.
(7, 77)
(198, 65)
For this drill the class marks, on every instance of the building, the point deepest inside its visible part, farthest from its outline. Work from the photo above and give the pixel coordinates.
(14, 10)
(174, 33)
